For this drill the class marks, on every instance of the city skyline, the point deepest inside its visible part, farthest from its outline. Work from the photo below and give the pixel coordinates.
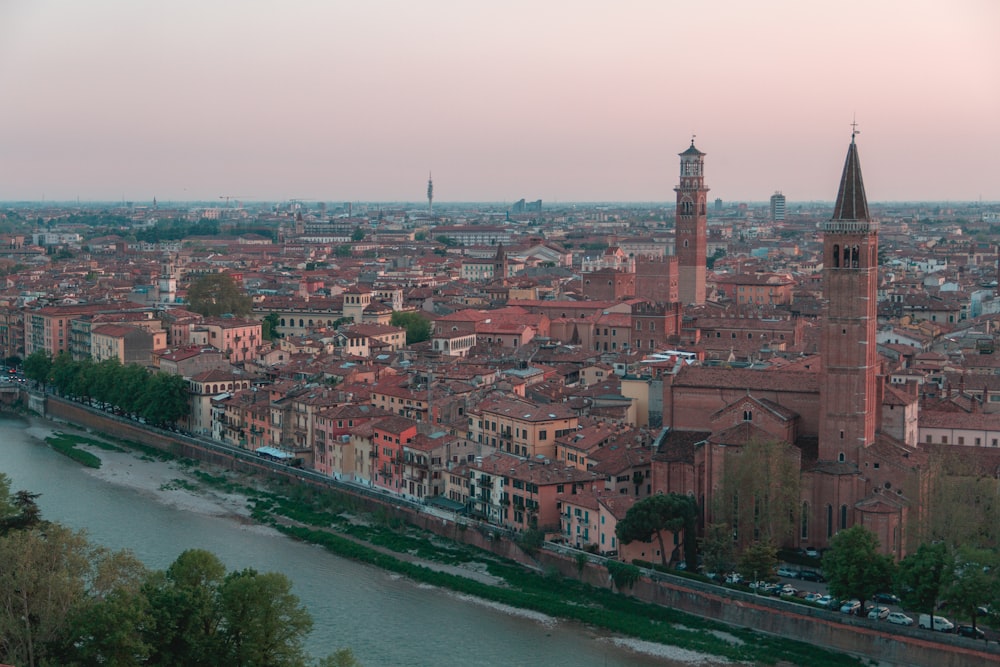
(570, 102)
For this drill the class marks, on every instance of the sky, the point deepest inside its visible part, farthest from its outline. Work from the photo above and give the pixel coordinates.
(559, 100)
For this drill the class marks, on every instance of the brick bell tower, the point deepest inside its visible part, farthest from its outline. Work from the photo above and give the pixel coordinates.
(691, 236)
(849, 396)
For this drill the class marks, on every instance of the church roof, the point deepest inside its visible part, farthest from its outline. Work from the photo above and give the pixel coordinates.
(852, 203)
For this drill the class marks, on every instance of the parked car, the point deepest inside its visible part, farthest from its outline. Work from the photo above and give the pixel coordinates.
(812, 597)
(812, 552)
(734, 578)
(811, 575)
(885, 598)
(969, 631)
(785, 571)
(941, 624)
(878, 613)
(850, 606)
(826, 601)
(899, 618)
(788, 591)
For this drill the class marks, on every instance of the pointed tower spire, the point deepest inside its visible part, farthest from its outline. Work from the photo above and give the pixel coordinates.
(852, 203)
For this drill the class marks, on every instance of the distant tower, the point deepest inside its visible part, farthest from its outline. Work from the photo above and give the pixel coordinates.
(500, 264)
(849, 393)
(777, 207)
(168, 279)
(430, 193)
(691, 226)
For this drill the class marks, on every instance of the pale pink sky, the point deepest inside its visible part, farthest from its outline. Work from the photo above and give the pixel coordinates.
(572, 100)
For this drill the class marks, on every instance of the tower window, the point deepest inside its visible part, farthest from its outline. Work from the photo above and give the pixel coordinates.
(841, 457)
(748, 415)
(843, 517)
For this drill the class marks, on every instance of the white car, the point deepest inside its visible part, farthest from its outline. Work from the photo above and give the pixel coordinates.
(899, 618)
(878, 613)
(850, 606)
(826, 601)
(785, 571)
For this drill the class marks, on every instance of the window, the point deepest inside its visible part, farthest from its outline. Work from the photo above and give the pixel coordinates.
(543, 435)
(961, 440)
(805, 521)
(944, 440)
(843, 517)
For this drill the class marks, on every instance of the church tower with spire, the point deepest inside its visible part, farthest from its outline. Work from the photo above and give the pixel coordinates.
(849, 390)
(691, 236)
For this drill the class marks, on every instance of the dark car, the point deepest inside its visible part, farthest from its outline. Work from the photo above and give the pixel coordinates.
(969, 631)
(886, 598)
(811, 575)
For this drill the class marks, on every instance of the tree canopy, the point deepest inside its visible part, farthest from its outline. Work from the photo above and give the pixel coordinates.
(759, 497)
(159, 398)
(418, 327)
(217, 294)
(64, 601)
(921, 576)
(854, 568)
(652, 515)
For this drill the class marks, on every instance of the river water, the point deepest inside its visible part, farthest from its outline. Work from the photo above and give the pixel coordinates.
(386, 620)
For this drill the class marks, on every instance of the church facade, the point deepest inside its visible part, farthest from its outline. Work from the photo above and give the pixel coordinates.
(832, 419)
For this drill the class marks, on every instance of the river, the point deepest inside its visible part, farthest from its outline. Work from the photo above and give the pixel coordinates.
(386, 620)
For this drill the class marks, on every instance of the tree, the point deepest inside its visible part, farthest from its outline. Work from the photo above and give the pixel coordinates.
(854, 567)
(165, 399)
(759, 496)
(652, 515)
(974, 582)
(41, 581)
(418, 327)
(184, 616)
(38, 366)
(921, 577)
(757, 562)
(261, 621)
(269, 327)
(718, 553)
(358, 235)
(217, 294)
(963, 503)
(203, 616)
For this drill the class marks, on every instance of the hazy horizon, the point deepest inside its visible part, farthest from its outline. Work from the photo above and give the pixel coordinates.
(582, 101)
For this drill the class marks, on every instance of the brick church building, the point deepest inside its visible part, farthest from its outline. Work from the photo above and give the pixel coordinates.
(850, 436)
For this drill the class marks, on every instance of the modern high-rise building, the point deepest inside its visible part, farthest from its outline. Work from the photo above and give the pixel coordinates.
(691, 236)
(777, 206)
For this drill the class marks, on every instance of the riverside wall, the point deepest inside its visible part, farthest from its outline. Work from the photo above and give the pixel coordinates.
(898, 647)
